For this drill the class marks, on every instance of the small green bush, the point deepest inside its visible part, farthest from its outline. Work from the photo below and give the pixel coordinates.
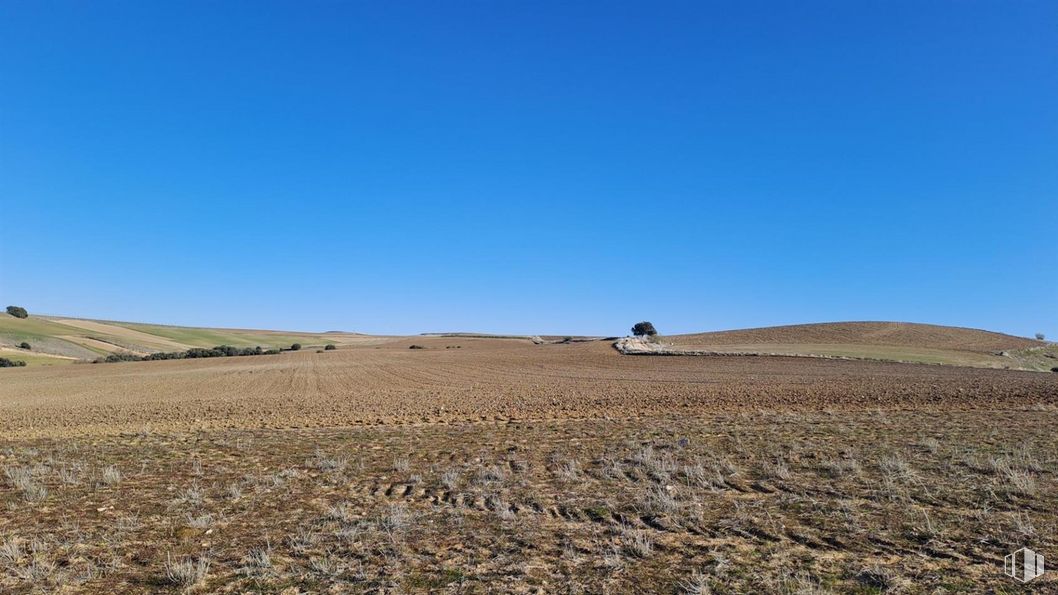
(24, 345)
(330, 348)
(416, 347)
(17, 311)
(295, 347)
(8, 363)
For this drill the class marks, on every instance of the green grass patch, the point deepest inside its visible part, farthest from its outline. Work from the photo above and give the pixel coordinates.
(205, 337)
(36, 360)
(26, 329)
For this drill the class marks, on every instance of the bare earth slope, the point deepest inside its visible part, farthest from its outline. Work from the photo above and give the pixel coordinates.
(865, 333)
(886, 341)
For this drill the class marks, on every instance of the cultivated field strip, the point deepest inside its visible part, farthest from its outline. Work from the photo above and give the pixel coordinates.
(454, 380)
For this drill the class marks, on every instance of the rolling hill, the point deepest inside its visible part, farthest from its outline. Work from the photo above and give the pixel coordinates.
(889, 341)
(59, 340)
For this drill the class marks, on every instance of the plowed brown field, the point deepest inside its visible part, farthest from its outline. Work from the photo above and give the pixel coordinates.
(499, 466)
(928, 336)
(473, 379)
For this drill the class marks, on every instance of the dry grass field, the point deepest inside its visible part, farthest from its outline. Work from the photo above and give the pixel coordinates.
(496, 465)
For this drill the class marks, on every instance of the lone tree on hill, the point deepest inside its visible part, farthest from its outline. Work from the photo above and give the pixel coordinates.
(17, 311)
(644, 329)
(1040, 336)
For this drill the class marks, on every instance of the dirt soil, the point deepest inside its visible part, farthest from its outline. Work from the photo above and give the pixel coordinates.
(865, 333)
(473, 379)
(477, 465)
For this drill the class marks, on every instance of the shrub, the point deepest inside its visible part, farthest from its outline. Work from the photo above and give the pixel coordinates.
(7, 363)
(122, 357)
(295, 347)
(1055, 369)
(416, 347)
(329, 348)
(24, 345)
(165, 355)
(1040, 336)
(272, 352)
(193, 353)
(17, 311)
(644, 329)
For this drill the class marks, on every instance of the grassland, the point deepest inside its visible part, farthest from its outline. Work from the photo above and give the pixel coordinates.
(89, 339)
(205, 337)
(488, 465)
(33, 359)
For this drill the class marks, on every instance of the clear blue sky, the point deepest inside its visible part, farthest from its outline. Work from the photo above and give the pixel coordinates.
(565, 167)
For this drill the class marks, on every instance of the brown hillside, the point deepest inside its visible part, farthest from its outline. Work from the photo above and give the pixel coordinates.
(864, 333)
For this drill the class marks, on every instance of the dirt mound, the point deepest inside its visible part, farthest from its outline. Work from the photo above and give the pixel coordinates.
(864, 333)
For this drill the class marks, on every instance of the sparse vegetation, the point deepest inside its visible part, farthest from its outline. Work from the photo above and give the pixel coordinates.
(9, 363)
(17, 311)
(621, 516)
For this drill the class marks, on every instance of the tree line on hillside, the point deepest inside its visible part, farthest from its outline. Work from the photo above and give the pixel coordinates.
(193, 353)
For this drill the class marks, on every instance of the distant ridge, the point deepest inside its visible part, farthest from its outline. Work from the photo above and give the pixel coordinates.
(907, 334)
(906, 342)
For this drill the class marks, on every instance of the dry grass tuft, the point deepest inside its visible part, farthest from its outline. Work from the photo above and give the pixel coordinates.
(110, 475)
(186, 572)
